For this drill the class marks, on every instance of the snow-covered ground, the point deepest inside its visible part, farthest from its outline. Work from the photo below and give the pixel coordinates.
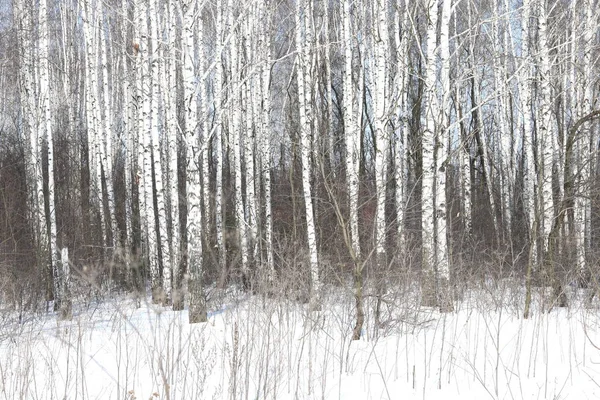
(257, 348)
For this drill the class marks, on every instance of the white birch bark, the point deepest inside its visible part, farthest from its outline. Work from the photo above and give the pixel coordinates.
(586, 88)
(218, 150)
(155, 142)
(464, 160)
(97, 132)
(128, 104)
(265, 146)
(525, 98)
(236, 125)
(23, 14)
(350, 130)
(45, 133)
(303, 100)
(172, 135)
(442, 250)
(145, 93)
(106, 150)
(428, 148)
(505, 140)
(249, 138)
(381, 47)
(138, 154)
(546, 140)
(92, 107)
(205, 137)
(328, 90)
(402, 114)
(193, 185)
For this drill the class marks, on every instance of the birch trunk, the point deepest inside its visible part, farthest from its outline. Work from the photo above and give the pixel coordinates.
(23, 14)
(442, 248)
(145, 92)
(206, 138)
(305, 142)
(583, 206)
(235, 127)
(128, 125)
(92, 108)
(380, 33)
(45, 134)
(265, 146)
(172, 144)
(218, 155)
(505, 140)
(429, 173)
(106, 150)
(351, 133)
(193, 186)
(546, 140)
(402, 115)
(164, 295)
(525, 97)
(249, 141)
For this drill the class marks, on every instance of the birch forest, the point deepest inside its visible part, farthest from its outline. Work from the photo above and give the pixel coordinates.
(180, 147)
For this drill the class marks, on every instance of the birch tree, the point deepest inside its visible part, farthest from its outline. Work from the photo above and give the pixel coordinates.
(172, 134)
(350, 132)
(402, 115)
(197, 311)
(305, 144)
(106, 133)
(235, 124)
(218, 141)
(442, 162)
(429, 171)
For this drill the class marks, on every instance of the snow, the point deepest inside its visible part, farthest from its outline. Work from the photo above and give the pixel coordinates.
(261, 348)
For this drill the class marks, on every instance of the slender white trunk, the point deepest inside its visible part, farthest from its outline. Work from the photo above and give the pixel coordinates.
(235, 127)
(525, 97)
(248, 107)
(218, 150)
(328, 91)
(464, 160)
(172, 135)
(428, 148)
(128, 124)
(30, 133)
(155, 140)
(505, 139)
(265, 147)
(193, 184)
(586, 144)
(546, 141)
(442, 250)
(45, 133)
(138, 154)
(206, 138)
(106, 150)
(305, 141)
(92, 106)
(380, 33)
(350, 130)
(145, 94)
(402, 115)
